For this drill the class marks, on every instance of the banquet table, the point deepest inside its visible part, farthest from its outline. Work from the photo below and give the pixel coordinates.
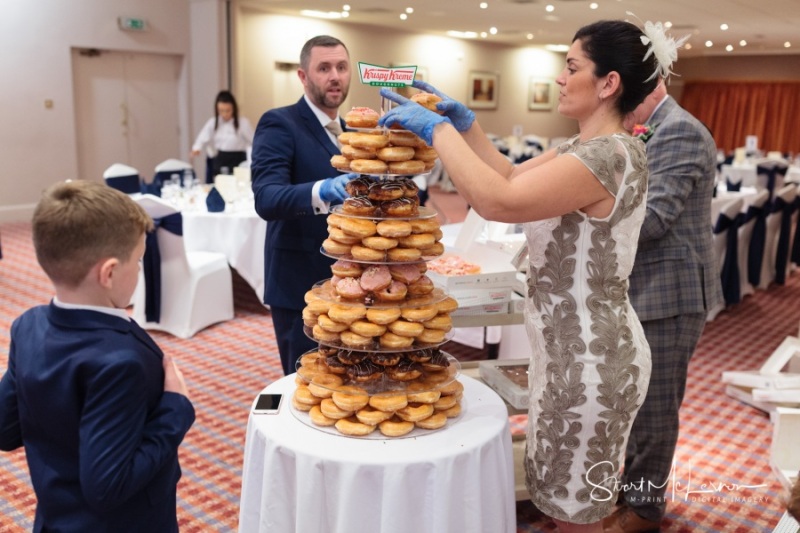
(458, 479)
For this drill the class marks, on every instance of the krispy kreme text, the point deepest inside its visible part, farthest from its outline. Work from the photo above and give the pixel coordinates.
(386, 76)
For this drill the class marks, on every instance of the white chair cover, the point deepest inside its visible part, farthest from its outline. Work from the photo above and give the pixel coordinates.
(123, 178)
(730, 209)
(173, 165)
(745, 234)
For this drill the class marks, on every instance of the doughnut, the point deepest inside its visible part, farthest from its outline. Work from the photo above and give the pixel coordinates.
(371, 416)
(419, 356)
(453, 411)
(353, 428)
(434, 250)
(400, 207)
(388, 402)
(367, 329)
(421, 393)
(437, 363)
(373, 141)
(335, 366)
(346, 269)
(331, 410)
(428, 336)
(358, 186)
(435, 421)
(405, 138)
(378, 315)
(360, 206)
(405, 273)
(304, 397)
(404, 255)
(325, 336)
(454, 387)
(382, 191)
(448, 305)
(394, 153)
(344, 137)
(429, 165)
(443, 322)
(328, 324)
(404, 328)
(362, 253)
(404, 371)
(347, 313)
(350, 398)
(338, 235)
(307, 373)
(427, 100)
(395, 427)
(438, 234)
(421, 287)
(354, 340)
(443, 403)
(419, 314)
(364, 372)
(368, 166)
(412, 166)
(340, 162)
(309, 317)
(323, 385)
(361, 117)
(354, 152)
(394, 228)
(424, 225)
(410, 189)
(357, 226)
(349, 288)
(319, 419)
(335, 220)
(396, 291)
(299, 406)
(393, 341)
(417, 240)
(376, 242)
(311, 359)
(335, 247)
(415, 411)
(350, 357)
(385, 358)
(425, 153)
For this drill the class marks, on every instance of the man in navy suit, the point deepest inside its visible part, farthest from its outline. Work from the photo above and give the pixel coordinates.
(100, 409)
(294, 186)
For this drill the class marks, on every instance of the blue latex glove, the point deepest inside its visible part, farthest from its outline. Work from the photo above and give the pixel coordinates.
(460, 115)
(332, 189)
(411, 116)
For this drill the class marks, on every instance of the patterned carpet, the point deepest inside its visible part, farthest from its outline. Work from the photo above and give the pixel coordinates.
(723, 442)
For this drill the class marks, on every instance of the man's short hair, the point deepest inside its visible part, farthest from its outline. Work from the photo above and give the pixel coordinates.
(319, 40)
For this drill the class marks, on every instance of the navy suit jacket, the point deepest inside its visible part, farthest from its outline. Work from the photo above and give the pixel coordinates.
(84, 393)
(291, 151)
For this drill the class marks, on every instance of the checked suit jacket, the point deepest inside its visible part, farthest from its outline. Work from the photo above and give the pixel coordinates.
(674, 272)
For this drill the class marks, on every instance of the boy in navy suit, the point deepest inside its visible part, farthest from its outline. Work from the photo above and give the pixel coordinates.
(100, 409)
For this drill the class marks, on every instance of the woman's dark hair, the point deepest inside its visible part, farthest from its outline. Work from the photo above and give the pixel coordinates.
(616, 45)
(226, 97)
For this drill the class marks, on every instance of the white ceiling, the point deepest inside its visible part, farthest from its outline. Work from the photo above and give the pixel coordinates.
(765, 24)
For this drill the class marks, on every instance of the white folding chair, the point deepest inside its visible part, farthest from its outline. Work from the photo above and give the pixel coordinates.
(724, 225)
(754, 207)
(123, 178)
(196, 287)
(768, 266)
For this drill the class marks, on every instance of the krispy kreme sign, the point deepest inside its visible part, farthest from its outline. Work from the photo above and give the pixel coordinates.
(386, 76)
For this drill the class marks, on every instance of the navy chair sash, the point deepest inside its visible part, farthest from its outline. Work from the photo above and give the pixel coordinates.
(152, 264)
(127, 184)
(772, 173)
(796, 245)
(731, 289)
(782, 255)
(214, 201)
(731, 186)
(755, 254)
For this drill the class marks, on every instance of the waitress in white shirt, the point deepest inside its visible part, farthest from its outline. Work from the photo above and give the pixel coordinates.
(227, 139)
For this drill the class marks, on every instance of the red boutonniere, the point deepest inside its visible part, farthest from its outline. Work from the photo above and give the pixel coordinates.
(643, 131)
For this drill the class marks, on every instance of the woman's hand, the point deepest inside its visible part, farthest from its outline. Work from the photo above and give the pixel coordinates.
(411, 116)
(460, 115)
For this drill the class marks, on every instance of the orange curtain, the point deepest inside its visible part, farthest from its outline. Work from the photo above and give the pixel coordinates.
(733, 110)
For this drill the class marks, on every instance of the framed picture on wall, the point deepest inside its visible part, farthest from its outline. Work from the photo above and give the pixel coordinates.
(483, 90)
(540, 94)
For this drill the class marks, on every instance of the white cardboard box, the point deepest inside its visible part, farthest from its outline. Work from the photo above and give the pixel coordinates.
(784, 452)
(496, 270)
(787, 353)
(756, 379)
(486, 309)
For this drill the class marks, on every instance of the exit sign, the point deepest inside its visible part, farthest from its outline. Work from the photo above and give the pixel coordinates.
(132, 24)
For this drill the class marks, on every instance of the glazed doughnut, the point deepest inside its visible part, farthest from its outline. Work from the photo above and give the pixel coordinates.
(361, 117)
(406, 273)
(308, 372)
(364, 372)
(354, 152)
(417, 240)
(335, 247)
(346, 269)
(359, 227)
(377, 315)
(404, 328)
(444, 403)
(429, 165)
(412, 166)
(350, 357)
(395, 292)
(328, 324)
(394, 228)
(304, 397)
(419, 314)
(324, 336)
(388, 402)
(454, 387)
(360, 206)
(350, 398)
(319, 419)
(354, 340)
(453, 411)
(309, 296)
(367, 329)
(404, 254)
(434, 250)
(335, 220)
(372, 141)
(400, 207)
(405, 138)
(335, 366)
(448, 305)
(376, 242)
(421, 287)
(415, 411)
(299, 406)
(340, 162)
(438, 234)
(428, 336)
(362, 253)
(425, 153)
(393, 341)
(323, 385)
(427, 100)
(381, 191)
(395, 427)
(375, 277)
(385, 358)
(424, 225)
(443, 322)
(309, 317)
(331, 410)
(421, 393)
(435, 421)
(394, 153)
(344, 137)
(347, 313)
(353, 428)
(311, 359)
(358, 186)
(368, 166)
(349, 288)
(404, 371)
(371, 416)
(338, 235)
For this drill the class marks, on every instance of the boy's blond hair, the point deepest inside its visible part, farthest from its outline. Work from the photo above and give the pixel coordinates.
(78, 223)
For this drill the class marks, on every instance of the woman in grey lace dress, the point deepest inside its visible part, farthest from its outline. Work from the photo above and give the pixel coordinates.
(582, 205)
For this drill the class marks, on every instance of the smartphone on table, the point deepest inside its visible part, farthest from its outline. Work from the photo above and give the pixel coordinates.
(268, 404)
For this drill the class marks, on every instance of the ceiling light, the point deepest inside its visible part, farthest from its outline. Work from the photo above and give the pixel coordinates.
(688, 46)
(403, 16)
(462, 34)
(549, 8)
(709, 44)
(345, 14)
(484, 35)
(723, 27)
(346, 7)
(787, 44)
(409, 10)
(321, 14)
(483, 5)
(529, 36)
(593, 5)
(668, 24)
(742, 43)
(729, 48)
(557, 47)
(493, 30)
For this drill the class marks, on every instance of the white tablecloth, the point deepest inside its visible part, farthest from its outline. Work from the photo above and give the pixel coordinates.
(459, 479)
(238, 234)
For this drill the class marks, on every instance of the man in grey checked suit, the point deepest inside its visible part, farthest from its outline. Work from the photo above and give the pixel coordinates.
(673, 285)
